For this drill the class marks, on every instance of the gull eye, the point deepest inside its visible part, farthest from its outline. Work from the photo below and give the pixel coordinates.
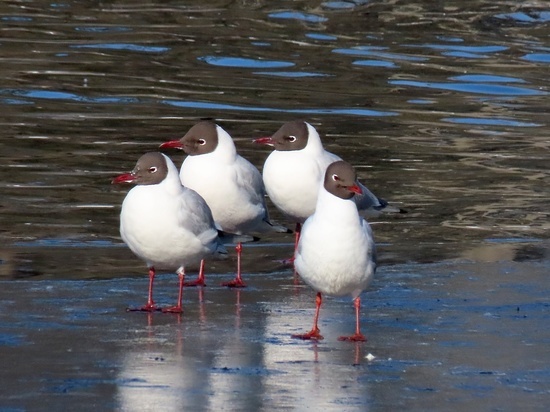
(153, 169)
(202, 142)
(291, 139)
(335, 177)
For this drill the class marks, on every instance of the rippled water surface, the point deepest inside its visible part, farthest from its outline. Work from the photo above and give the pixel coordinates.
(441, 106)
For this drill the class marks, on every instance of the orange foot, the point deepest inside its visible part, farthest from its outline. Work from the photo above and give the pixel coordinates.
(147, 308)
(197, 282)
(311, 335)
(235, 283)
(358, 337)
(172, 309)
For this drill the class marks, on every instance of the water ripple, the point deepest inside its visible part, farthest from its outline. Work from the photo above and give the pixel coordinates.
(319, 36)
(520, 17)
(293, 74)
(58, 95)
(537, 57)
(103, 29)
(463, 49)
(122, 46)
(244, 62)
(296, 15)
(376, 52)
(486, 78)
(375, 63)
(489, 122)
(220, 106)
(476, 88)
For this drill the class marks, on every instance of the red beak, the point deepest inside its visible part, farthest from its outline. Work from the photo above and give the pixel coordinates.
(355, 189)
(264, 140)
(125, 178)
(172, 144)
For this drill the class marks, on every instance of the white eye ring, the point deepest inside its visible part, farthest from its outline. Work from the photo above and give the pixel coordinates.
(202, 142)
(335, 177)
(291, 139)
(153, 169)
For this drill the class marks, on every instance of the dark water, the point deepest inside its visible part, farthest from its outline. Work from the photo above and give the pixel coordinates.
(441, 106)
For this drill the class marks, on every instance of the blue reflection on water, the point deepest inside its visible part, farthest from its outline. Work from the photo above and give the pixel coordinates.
(293, 74)
(375, 51)
(103, 29)
(486, 78)
(339, 5)
(375, 63)
(465, 49)
(57, 95)
(465, 55)
(537, 57)
(477, 88)
(244, 62)
(221, 106)
(512, 240)
(260, 43)
(319, 36)
(295, 15)
(52, 242)
(122, 46)
(15, 101)
(489, 122)
(16, 18)
(421, 101)
(534, 16)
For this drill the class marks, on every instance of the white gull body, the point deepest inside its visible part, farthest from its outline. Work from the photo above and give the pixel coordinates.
(293, 172)
(168, 225)
(336, 252)
(230, 184)
(165, 224)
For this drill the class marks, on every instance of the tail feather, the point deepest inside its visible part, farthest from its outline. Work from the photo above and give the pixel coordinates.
(278, 228)
(226, 238)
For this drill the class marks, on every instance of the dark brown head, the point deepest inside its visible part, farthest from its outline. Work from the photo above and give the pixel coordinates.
(150, 169)
(200, 139)
(291, 136)
(341, 180)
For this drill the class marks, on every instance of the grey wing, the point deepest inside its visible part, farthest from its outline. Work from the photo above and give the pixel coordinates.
(196, 216)
(371, 244)
(369, 204)
(368, 200)
(250, 180)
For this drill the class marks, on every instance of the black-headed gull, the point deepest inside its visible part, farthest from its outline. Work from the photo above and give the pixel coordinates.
(230, 184)
(293, 172)
(336, 253)
(164, 223)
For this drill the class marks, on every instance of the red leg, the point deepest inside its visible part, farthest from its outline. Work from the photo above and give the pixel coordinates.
(150, 306)
(200, 279)
(313, 334)
(297, 232)
(358, 336)
(178, 307)
(238, 281)
(296, 240)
